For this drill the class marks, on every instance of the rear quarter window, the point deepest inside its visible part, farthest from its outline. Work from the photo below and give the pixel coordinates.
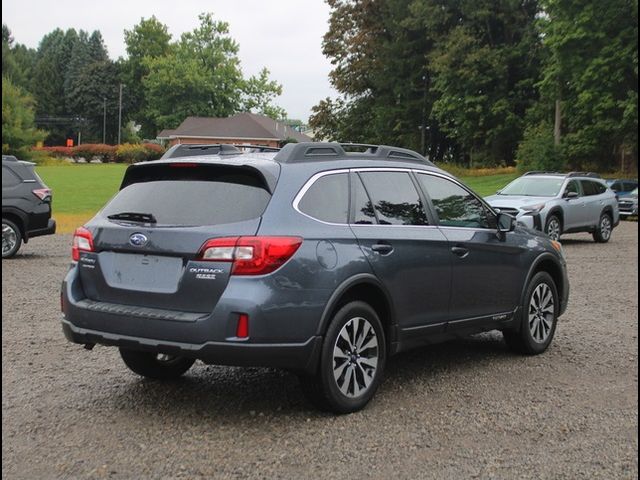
(327, 199)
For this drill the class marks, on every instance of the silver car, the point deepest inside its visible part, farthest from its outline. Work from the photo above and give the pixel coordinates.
(628, 204)
(560, 203)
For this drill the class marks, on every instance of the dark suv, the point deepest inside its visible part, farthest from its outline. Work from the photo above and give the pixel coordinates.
(322, 258)
(26, 205)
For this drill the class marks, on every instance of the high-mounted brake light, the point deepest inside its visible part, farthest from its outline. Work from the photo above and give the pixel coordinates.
(43, 194)
(251, 255)
(82, 242)
(183, 165)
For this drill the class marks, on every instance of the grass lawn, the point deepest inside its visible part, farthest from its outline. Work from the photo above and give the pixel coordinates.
(80, 190)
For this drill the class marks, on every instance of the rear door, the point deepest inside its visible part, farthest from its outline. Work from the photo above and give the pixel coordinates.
(153, 261)
(594, 199)
(405, 250)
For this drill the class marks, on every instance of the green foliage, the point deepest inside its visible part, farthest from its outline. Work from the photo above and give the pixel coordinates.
(18, 127)
(592, 67)
(537, 150)
(132, 153)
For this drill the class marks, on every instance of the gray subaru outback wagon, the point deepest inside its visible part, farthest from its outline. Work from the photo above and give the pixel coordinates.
(321, 258)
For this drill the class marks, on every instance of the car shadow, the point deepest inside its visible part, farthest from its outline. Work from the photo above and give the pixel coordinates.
(219, 393)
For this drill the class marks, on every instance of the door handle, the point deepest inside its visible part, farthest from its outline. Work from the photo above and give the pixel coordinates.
(382, 248)
(460, 251)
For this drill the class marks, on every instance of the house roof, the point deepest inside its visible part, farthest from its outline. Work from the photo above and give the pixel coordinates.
(240, 125)
(166, 133)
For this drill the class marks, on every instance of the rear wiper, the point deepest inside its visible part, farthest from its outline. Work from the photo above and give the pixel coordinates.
(133, 217)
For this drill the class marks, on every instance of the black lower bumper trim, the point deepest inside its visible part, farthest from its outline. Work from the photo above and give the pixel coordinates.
(297, 356)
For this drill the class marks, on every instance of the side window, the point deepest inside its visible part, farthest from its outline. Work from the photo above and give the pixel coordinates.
(395, 198)
(572, 186)
(589, 188)
(364, 214)
(600, 188)
(327, 199)
(9, 179)
(456, 207)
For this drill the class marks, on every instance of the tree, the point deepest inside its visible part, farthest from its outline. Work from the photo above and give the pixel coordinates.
(148, 40)
(258, 93)
(201, 76)
(17, 60)
(18, 127)
(591, 67)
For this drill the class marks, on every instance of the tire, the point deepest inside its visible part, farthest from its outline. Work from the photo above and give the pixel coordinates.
(348, 375)
(11, 238)
(553, 228)
(539, 318)
(156, 366)
(602, 233)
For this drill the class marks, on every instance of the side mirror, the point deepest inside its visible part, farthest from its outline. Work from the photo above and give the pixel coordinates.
(506, 223)
(571, 195)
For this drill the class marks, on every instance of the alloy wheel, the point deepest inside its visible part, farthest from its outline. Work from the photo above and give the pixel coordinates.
(605, 227)
(541, 313)
(9, 239)
(553, 229)
(355, 357)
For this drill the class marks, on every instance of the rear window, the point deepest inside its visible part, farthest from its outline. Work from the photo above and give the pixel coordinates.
(9, 179)
(191, 196)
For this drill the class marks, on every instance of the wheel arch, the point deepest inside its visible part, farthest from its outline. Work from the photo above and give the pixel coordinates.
(545, 263)
(366, 288)
(558, 212)
(19, 219)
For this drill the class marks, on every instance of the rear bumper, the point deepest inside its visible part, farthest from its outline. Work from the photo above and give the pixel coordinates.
(50, 229)
(299, 356)
(277, 337)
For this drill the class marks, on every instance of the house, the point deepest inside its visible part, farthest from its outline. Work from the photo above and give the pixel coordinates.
(241, 128)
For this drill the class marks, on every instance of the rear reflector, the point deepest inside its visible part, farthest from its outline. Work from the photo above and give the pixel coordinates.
(242, 330)
(82, 242)
(251, 255)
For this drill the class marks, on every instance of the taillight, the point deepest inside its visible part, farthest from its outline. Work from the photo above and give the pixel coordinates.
(251, 255)
(43, 194)
(82, 242)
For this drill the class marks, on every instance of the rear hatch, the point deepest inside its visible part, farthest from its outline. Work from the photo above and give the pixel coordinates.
(147, 239)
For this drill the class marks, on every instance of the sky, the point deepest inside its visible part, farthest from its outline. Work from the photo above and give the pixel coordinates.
(283, 35)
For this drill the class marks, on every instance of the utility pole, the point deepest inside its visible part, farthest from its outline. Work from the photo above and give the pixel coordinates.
(104, 119)
(120, 115)
(423, 133)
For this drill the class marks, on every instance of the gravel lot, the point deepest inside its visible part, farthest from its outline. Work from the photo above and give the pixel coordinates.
(466, 409)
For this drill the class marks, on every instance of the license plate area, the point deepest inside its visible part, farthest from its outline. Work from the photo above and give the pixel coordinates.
(144, 273)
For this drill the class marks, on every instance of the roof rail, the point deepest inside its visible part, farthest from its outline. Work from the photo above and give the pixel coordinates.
(9, 158)
(583, 174)
(543, 172)
(318, 151)
(260, 148)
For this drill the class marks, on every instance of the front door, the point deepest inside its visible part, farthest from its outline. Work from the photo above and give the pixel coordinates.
(487, 273)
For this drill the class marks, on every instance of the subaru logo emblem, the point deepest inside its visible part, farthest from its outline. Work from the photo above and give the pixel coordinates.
(138, 240)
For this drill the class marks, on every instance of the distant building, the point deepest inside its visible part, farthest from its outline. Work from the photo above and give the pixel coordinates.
(242, 128)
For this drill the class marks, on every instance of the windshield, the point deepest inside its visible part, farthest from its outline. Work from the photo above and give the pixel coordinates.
(534, 186)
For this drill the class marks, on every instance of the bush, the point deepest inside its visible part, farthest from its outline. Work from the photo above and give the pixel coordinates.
(537, 150)
(125, 153)
(89, 151)
(132, 153)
